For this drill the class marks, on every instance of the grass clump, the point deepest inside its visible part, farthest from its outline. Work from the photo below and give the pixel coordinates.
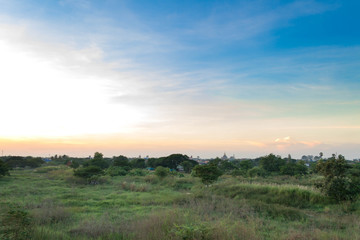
(97, 228)
(288, 195)
(48, 213)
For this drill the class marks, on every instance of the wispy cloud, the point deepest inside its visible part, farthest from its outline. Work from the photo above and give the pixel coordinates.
(247, 20)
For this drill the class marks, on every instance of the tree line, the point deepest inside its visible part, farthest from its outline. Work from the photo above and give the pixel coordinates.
(341, 180)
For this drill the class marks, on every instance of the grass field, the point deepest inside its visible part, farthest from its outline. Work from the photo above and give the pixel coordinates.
(60, 206)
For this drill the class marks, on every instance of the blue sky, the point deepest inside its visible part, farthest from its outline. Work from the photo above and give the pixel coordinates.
(190, 69)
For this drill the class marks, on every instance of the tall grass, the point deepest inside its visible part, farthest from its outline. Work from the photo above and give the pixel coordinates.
(288, 195)
(145, 207)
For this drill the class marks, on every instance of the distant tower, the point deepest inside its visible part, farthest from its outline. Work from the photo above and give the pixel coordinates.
(224, 157)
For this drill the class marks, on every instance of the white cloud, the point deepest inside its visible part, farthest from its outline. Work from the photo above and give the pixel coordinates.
(50, 89)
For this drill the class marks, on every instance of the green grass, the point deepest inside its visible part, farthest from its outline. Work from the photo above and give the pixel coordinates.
(146, 207)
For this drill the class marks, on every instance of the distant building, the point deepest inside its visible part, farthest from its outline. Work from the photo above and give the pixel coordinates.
(224, 157)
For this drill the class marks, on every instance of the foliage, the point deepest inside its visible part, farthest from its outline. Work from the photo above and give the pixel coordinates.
(339, 183)
(294, 168)
(17, 161)
(192, 231)
(238, 172)
(136, 207)
(138, 163)
(4, 169)
(121, 161)
(171, 161)
(116, 171)
(272, 163)
(188, 165)
(257, 172)
(88, 172)
(98, 161)
(246, 165)
(16, 223)
(208, 173)
(226, 166)
(137, 172)
(162, 172)
(75, 164)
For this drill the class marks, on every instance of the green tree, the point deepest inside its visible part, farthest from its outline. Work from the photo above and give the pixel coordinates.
(98, 161)
(173, 160)
(188, 165)
(294, 168)
(88, 172)
(4, 169)
(162, 172)
(121, 161)
(272, 163)
(339, 183)
(75, 164)
(116, 171)
(256, 172)
(138, 163)
(208, 173)
(226, 166)
(246, 165)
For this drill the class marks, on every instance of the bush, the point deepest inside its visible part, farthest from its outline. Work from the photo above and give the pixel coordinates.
(208, 173)
(87, 172)
(16, 223)
(238, 172)
(137, 172)
(116, 171)
(338, 184)
(257, 172)
(162, 172)
(4, 169)
(192, 231)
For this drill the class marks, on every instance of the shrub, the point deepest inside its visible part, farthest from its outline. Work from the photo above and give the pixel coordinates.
(208, 173)
(151, 179)
(192, 231)
(97, 161)
(162, 172)
(272, 163)
(116, 171)
(16, 223)
(4, 169)
(238, 172)
(137, 172)
(87, 172)
(338, 184)
(97, 179)
(257, 172)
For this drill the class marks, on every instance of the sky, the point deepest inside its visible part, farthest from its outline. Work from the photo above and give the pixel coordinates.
(202, 78)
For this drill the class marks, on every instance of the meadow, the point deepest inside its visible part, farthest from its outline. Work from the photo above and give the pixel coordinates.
(54, 204)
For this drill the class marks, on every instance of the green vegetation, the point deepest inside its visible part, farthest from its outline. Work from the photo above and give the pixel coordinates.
(127, 202)
(162, 172)
(208, 173)
(339, 183)
(4, 169)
